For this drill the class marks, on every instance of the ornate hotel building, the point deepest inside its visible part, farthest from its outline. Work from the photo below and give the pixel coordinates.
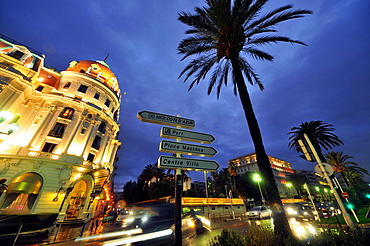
(280, 168)
(58, 139)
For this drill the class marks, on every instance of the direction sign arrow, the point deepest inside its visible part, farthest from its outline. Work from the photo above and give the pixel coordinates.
(147, 116)
(188, 164)
(187, 149)
(167, 132)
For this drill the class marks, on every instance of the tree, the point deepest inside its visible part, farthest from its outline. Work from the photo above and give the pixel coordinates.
(298, 180)
(319, 133)
(222, 34)
(340, 163)
(151, 171)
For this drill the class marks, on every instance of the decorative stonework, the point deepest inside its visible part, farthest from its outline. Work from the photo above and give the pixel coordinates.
(36, 165)
(4, 166)
(64, 174)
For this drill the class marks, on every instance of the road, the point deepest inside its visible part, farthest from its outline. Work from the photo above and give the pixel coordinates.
(109, 230)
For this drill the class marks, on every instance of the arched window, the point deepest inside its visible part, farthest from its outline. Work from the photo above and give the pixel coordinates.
(21, 194)
(67, 113)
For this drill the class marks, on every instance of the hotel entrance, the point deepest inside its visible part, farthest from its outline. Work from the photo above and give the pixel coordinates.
(77, 201)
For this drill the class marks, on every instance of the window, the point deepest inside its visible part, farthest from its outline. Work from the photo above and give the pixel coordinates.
(39, 88)
(20, 199)
(82, 88)
(96, 143)
(96, 96)
(67, 85)
(102, 127)
(83, 130)
(91, 157)
(58, 130)
(107, 103)
(16, 54)
(67, 113)
(48, 147)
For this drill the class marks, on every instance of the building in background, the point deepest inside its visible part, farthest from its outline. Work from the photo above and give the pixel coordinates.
(280, 168)
(58, 139)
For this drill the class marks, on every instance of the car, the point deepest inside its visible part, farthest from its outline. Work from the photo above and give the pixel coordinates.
(123, 215)
(156, 225)
(201, 223)
(259, 212)
(298, 211)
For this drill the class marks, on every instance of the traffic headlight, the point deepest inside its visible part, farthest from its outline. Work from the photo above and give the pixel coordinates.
(367, 196)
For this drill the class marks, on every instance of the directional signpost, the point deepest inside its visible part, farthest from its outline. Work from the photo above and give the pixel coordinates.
(179, 163)
(167, 132)
(171, 162)
(187, 149)
(164, 119)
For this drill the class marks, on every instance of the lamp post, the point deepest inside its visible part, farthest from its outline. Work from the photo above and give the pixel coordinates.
(257, 178)
(290, 185)
(12, 125)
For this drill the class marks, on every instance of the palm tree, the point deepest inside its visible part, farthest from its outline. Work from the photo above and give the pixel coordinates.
(340, 163)
(319, 133)
(222, 34)
(298, 180)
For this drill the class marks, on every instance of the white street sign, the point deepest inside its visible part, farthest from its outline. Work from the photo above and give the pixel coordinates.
(172, 162)
(164, 119)
(187, 149)
(167, 132)
(328, 168)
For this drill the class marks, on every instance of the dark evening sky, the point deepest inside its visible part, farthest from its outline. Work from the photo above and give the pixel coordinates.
(327, 80)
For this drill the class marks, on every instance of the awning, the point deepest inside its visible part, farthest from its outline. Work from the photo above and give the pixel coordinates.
(28, 183)
(100, 176)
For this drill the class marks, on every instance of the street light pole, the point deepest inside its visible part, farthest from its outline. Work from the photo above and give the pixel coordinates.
(258, 179)
(346, 216)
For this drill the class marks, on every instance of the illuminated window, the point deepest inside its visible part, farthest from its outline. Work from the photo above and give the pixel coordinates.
(67, 113)
(58, 130)
(22, 193)
(82, 88)
(48, 147)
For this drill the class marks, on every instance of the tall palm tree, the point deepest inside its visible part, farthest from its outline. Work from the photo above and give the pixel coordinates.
(222, 34)
(319, 133)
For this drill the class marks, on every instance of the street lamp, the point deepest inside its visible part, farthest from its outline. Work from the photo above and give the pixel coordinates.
(12, 126)
(290, 185)
(257, 178)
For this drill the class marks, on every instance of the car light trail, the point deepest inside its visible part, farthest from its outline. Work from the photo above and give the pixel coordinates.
(139, 238)
(110, 234)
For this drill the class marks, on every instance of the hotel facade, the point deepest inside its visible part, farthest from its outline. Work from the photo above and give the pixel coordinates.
(58, 139)
(281, 170)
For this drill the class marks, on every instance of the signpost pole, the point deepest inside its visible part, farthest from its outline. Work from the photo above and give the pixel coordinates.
(178, 198)
(178, 201)
(346, 216)
(346, 198)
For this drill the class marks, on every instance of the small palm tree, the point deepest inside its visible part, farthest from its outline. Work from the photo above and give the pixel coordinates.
(222, 34)
(319, 133)
(340, 163)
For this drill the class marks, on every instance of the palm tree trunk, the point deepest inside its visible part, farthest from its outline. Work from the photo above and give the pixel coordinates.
(280, 220)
